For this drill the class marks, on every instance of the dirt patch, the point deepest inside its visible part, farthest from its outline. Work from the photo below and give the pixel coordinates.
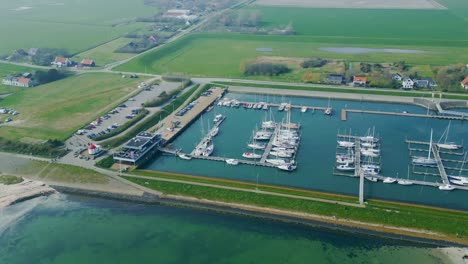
(371, 4)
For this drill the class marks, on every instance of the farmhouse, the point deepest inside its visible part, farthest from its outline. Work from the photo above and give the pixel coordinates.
(62, 62)
(18, 80)
(396, 77)
(88, 63)
(335, 79)
(425, 83)
(464, 83)
(407, 83)
(180, 14)
(359, 81)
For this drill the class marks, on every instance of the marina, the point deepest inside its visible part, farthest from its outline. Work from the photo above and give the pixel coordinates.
(318, 148)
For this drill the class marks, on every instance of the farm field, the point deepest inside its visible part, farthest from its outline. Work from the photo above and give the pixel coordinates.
(57, 109)
(69, 24)
(224, 54)
(105, 54)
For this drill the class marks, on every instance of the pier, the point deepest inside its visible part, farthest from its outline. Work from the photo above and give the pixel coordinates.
(176, 152)
(344, 111)
(449, 112)
(343, 114)
(270, 145)
(357, 156)
(440, 165)
(208, 136)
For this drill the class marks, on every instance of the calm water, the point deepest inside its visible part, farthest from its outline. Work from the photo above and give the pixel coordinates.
(62, 229)
(316, 156)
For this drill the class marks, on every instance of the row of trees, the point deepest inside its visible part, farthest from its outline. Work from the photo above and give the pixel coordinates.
(266, 68)
(51, 148)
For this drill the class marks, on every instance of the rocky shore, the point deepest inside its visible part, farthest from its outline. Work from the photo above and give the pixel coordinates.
(10, 194)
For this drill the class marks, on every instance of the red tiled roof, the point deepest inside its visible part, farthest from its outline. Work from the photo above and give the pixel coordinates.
(359, 79)
(23, 80)
(87, 61)
(465, 81)
(60, 59)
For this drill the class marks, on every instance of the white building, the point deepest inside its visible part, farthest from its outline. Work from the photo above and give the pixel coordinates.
(407, 83)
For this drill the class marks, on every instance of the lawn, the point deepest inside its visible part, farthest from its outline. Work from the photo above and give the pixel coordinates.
(223, 54)
(443, 33)
(57, 109)
(69, 24)
(105, 54)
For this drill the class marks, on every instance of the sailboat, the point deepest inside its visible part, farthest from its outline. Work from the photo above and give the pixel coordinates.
(250, 155)
(423, 160)
(184, 157)
(405, 182)
(328, 110)
(389, 180)
(303, 109)
(232, 162)
(255, 144)
(369, 138)
(287, 167)
(445, 144)
(459, 180)
(446, 187)
(345, 167)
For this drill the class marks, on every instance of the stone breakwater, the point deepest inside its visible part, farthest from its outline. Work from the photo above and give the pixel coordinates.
(11, 194)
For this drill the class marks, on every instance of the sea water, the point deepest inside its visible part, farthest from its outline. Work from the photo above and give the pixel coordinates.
(316, 155)
(73, 229)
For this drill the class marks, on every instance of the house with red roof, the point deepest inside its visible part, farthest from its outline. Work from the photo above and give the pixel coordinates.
(18, 81)
(62, 62)
(359, 81)
(464, 83)
(88, 63)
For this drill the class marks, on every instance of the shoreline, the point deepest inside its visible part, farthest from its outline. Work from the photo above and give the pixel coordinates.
(398, 233)
(23, 191)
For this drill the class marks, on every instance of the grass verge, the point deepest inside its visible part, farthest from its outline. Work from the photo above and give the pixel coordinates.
(344, 90)
(9, 179)
(450, 223)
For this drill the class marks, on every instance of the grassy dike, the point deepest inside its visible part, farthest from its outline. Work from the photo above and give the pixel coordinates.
(450, 224)
(345, 90)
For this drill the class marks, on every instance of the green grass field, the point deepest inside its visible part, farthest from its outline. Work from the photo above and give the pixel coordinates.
(223, 54)
(69, 24)
(442, 32)
(57, 109)
(105, 54)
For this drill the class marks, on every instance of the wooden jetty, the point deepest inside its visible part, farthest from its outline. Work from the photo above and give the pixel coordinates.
(401, 114)
(208, 135)
(343, 114)
(357, 156)
(440, 165)
(214, 158)
(270, 145)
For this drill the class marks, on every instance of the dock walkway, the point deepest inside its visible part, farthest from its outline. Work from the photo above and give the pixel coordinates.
(403, 114)
(208, 136)
(440, 165)
(357, 156)
(270, 145)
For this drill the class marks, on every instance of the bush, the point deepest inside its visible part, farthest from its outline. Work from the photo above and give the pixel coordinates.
(106, 162)
(265, 68)
(314, 63)
(9, 179)
(50, 148)
(365, 67)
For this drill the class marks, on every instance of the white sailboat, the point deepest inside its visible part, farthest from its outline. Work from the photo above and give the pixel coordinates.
(369, 138)
(423, 160)
(287, 167)
(389, 180)
(445, 144)
(214, 132)
(184, 157)
(345, 167)
(217, 118)
(405, 182)
(232, 162)
(277, 162)
(346, 144)
(303, 109)
(250, 155)
(446, 187)
(328, 110)
(460, 180)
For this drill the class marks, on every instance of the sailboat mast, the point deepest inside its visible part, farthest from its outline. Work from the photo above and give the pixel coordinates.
(430, 147)
(448, 128)
(463, 163)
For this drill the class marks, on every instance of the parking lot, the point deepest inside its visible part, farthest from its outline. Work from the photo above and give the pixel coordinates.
(124, 112)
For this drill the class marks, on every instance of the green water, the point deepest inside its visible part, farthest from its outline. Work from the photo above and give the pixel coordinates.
(316, 156)
(69, 230)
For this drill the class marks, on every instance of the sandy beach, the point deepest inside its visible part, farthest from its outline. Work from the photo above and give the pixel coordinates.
(28, 189)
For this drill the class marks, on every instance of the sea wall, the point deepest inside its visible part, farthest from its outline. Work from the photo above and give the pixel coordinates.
(454, 104)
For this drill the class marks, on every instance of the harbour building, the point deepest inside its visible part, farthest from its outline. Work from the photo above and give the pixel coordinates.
(139, 148)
